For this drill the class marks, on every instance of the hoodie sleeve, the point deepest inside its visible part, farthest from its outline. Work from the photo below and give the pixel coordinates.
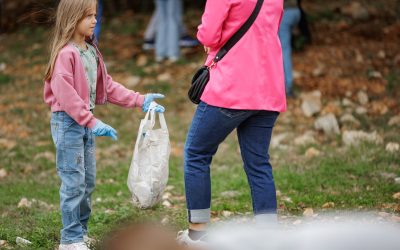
(210, 30)
(62, 86)
(121, 96)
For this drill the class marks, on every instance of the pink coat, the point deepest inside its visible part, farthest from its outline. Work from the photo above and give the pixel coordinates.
(68, 89)
(251, 75)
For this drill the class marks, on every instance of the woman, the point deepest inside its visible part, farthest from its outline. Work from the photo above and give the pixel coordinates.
(246, 92)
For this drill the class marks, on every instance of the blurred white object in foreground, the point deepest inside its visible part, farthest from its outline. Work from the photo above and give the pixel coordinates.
(359, 232)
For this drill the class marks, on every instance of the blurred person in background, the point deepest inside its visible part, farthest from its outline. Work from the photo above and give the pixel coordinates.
(150, 35)
(293, 16)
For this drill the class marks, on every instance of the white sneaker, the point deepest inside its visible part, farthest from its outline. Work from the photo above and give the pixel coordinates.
(184, 239)
(74, 246)
(90, 242)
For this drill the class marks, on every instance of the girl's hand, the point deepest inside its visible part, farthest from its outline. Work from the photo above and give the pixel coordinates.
(102, 129)
(150, 98)
(207, 50)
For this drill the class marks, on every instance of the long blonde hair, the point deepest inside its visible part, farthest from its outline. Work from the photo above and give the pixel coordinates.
(69, 14)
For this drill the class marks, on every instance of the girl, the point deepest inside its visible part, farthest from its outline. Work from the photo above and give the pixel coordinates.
(76, 81)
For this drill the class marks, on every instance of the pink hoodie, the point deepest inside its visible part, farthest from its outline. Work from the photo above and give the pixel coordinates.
(251, 75)
(68, 89)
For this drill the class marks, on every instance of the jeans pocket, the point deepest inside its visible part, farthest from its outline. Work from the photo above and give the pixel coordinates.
(232, 113)
(73, 135)
(202, 106)
(54, 126)
(68, 121)
(196, 122)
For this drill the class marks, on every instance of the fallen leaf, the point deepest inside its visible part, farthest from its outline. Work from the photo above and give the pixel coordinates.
(308, 212)
(165, 221)
(227, 213)
(22, 242)
(24, 203)
(394, 121)
(297, 222)
(3, 173)
(328, 205)
(165, 77)
(287, 199)
(109, 211)
(230, 194)
(141, 61)
(312, 152)
(3, 243)
(392, 147)
(8, 144)
(46, 155)
(166, 196)
(167, 204)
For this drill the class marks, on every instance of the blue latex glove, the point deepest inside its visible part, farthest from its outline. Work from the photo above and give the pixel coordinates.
(150, 98)
(102, 129)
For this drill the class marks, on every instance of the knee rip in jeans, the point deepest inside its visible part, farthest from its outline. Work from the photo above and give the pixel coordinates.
(79, 159)
(72, 191)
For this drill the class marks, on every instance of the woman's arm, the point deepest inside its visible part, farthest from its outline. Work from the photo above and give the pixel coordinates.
(210, 30)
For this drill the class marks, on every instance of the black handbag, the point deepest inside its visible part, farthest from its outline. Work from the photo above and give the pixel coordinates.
(202, 76)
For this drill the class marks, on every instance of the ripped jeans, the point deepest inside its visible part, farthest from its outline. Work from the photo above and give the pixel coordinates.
(76, 167)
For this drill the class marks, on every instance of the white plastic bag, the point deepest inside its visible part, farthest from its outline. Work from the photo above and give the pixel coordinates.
(148, 174)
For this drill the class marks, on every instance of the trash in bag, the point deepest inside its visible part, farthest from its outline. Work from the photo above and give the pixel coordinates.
(148, 173)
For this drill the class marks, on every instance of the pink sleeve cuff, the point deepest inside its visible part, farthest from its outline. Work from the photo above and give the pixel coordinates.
(92, 123)
(140, 100)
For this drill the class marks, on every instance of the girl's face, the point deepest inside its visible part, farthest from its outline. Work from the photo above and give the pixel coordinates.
(88, 23)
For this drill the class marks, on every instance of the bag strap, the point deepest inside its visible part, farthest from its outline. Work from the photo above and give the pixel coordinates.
(163, 123)
(150, 123)
(239, 34)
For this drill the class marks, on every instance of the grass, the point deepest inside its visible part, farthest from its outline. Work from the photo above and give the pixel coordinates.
(352, 178)
(4, 79)
(393, 82)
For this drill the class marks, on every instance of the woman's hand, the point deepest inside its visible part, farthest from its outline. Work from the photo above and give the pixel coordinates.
(207, 49)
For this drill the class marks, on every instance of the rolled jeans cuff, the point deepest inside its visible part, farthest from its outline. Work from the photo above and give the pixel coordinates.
(199, 215)
(266, 219)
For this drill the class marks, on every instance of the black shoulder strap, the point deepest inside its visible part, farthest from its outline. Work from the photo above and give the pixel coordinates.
(240, 33)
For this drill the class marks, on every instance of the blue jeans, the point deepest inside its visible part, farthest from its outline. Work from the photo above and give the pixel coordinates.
(210, 126)
(290, 19)
(150, 33)
(169, 14)
(76, 167)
